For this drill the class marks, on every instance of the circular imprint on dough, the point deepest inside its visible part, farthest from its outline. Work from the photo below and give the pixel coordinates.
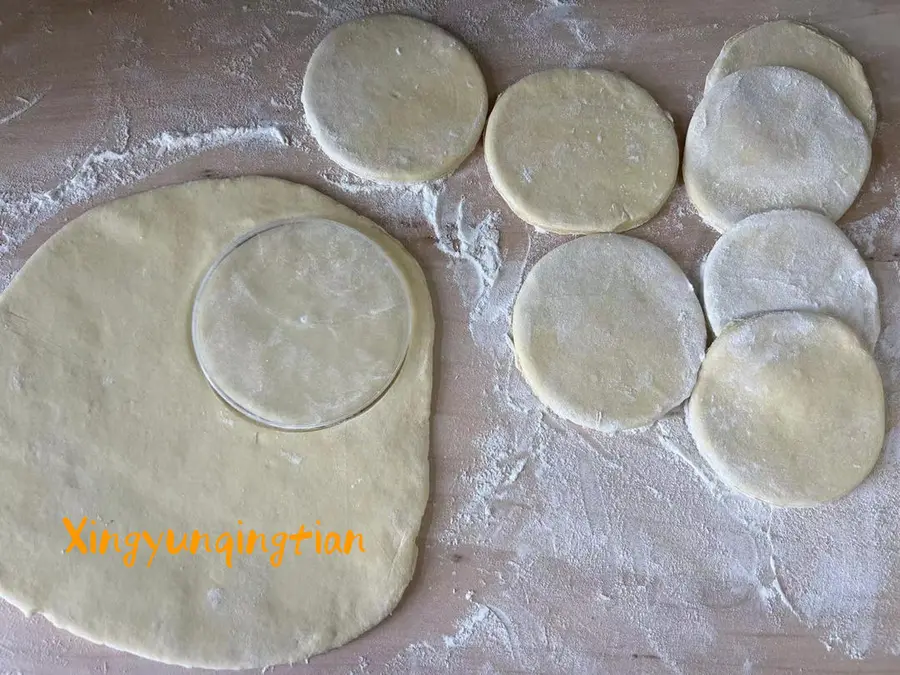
(773, 138)
(579, 151)
(393, 98)
(608, 332)
(795, 260)
(302, 324)
(786, 43)
(789, 408)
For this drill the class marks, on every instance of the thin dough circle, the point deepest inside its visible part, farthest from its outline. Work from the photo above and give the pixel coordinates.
(789, 408)
(303, 324)
(393, 98)
(608, 332)
(104, 414)
(773, 138)
(789, 260)
(580, 151)
(796, 45)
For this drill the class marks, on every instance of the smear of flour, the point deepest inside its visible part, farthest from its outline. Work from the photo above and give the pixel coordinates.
(463, 237)
(25, 105)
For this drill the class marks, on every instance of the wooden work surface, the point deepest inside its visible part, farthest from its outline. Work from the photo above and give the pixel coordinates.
(77, 77)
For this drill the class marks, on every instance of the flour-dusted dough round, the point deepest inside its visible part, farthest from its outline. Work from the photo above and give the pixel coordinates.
(579, 151)
(608, 332)
(393, 98)
(789, 260)
(787, 43)
(303, 324)
(773, 138)
(789, 408)
(104, 413)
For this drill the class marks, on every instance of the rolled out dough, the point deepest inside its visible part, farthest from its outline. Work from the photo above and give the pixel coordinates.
(105, 414)
(787, 43)
(796, 260)
(789, 408)
(608, 332)
(303, 324)
(580, 151)
(394, 98)
(773, 138)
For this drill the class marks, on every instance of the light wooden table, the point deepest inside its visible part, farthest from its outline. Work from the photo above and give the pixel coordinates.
(94, 75)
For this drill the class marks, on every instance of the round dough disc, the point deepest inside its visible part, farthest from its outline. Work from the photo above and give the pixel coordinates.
(105, 415)
(303, 324)
(786, 43)
(608, 332)
(773, 138)
(789, 408)
(393, 98)
(789, 260)
(579, 151)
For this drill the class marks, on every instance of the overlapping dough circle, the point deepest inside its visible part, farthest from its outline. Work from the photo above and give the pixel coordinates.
(787, 43)
(789, 408)
(608, 332)
(580, 151)
(773, 138)
(106, 415)
(394, 98)
(797, 260)
(302, 324)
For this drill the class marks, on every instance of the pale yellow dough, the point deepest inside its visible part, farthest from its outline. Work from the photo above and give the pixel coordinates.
(787, 43)
(104, 413)
(393, 98)
(789, 408)
(608, 332)
(580, 151)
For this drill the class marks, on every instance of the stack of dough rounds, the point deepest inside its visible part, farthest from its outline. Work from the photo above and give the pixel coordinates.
(608, 332)
(789, 404)
(789, 260)
(581, 151)
(392, 98)
(789, 408)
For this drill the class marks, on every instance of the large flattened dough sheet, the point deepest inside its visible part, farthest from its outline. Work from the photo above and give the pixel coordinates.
(788, 43)
(789, 408)
(580, 151)
(104, 413)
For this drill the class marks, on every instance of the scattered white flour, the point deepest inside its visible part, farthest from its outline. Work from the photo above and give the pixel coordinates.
(104, 170)
(457, 234)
